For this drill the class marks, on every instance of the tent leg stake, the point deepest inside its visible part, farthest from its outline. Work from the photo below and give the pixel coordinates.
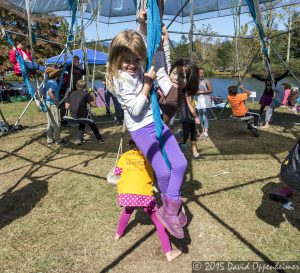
(22, 114)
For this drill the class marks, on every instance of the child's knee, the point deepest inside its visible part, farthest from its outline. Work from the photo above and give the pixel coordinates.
(181, 165)
(163, 175)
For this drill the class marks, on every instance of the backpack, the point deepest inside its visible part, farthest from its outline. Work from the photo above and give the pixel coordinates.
(290, 168)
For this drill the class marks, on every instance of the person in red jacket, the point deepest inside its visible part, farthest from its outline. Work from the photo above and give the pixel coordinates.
(30, 65)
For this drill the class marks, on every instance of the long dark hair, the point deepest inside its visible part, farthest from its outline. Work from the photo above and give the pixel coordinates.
(192, 75)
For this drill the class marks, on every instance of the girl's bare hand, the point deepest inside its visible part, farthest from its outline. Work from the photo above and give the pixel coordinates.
(143, 16)
(150, 74)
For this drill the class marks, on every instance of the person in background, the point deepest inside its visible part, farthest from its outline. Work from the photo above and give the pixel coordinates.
(135, 190)
(287, 92)
(51, 90)
(237, 102)
(118, 109)
(78, 102)
(267, 97)
(203, 99)
(70, 81)
(292, 99)
(26, 55)
(188, 115)
(277, 101)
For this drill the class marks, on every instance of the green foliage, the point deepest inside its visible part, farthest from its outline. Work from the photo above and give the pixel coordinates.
(51, 28)
(224, 55)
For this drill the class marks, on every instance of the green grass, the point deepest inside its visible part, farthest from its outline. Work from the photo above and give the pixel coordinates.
(58, 213)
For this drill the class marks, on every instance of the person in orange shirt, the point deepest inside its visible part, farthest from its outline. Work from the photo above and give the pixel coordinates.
(237, 102)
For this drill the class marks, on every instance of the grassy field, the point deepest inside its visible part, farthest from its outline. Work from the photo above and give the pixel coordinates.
(58, 213)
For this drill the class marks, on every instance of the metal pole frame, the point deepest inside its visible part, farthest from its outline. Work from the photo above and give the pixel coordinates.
(41, 39)
(22, 114)
(284, 63)
(172, 21)
(285, 32)
(211, 35)
(184, 5)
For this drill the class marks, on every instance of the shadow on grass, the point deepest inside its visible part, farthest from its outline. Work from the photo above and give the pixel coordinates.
(273, 213)
(232, 138)
(111, 137)
(14, 205)
(188, 190)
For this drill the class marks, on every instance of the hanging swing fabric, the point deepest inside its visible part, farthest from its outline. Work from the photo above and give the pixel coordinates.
(41, 105)
(153, 40)
(253, 12)
(124, 10)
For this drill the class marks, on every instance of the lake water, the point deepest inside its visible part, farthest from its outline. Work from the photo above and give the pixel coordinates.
(220, 85)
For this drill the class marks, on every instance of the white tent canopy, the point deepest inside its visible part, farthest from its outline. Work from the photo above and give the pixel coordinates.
(125, 10)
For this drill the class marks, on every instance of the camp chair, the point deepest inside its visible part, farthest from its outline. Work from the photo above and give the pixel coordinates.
(247, 119)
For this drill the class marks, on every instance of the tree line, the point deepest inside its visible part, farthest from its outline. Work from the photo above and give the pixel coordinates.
(218, 55)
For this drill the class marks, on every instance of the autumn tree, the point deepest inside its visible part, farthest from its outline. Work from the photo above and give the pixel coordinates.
(46, 26)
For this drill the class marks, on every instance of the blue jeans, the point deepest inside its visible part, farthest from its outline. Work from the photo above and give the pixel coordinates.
(34, 66)
(117, 105)
(255, 116)
(203, 115)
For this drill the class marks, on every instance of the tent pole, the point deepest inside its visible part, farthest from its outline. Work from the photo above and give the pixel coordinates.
(284, 63)
(41, 39)
(210, 35)
(4, 120)
(178, 13)
(22, 114)
(285, 32)
(175, 51)
(191, 28)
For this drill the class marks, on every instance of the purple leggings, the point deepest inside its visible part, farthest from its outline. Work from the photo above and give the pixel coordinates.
(169, 180)
(161, 231)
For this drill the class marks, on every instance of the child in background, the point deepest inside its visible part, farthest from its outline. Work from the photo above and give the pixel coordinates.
(78, 102)
(30, 65)
(292, 99)
(52, 97)
(132, 87)
(203, 102)
(189, 117)
(237, 102)
(287, 92)
(270, 84)
(171, 80)
(135, 189)
(276, 102)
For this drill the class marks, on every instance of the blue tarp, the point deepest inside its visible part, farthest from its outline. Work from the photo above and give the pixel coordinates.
(101, 57)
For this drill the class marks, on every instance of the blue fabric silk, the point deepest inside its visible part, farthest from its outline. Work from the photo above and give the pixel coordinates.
(153, 41)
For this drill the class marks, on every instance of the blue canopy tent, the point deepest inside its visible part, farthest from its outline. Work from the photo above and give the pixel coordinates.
(100, 58)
